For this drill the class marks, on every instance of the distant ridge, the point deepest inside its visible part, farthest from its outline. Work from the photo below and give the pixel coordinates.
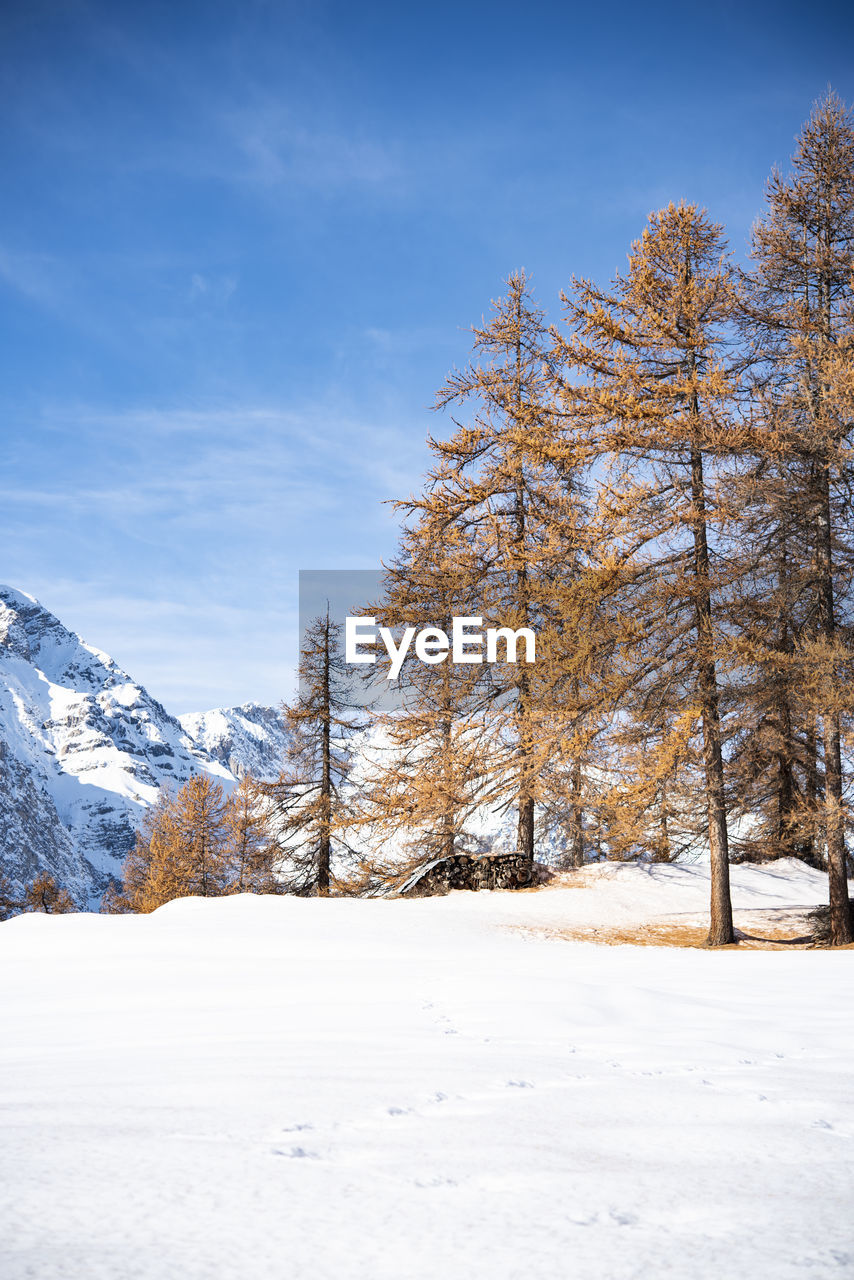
(85, 749)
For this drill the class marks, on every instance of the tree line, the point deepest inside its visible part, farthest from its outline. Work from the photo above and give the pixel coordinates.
(660, 486)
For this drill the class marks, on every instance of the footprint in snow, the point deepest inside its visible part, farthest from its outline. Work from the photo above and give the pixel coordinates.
(615, 1217)
(835, 1256)
(821, 1124)
(519, 1084)
(296, 1153)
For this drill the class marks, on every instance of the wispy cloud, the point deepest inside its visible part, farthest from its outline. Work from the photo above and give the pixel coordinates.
(191, 651)
(278, 149)
(173, 539)
(211, 290)
(37, 276)
(271, 147)
(196, 464)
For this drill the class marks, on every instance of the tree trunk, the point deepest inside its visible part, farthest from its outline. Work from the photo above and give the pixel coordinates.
(448, 840)
(576, 818)
(525, 836)
(811, 787)
(324, 850)
(525, 830)
(204, 866)
(721, 931)
(840, 906)
(664, 847)
(786, 843)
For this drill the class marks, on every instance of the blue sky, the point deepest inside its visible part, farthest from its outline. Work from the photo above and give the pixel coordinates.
(241, 246)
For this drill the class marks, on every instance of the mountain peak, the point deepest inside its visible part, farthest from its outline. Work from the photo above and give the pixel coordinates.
(85, 749)
(32, 632)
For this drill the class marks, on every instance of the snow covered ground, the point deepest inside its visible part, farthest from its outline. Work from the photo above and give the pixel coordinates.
(269, 1087)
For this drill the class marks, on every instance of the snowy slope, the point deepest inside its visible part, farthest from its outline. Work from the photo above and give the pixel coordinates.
(400, 1090)
(83, 750)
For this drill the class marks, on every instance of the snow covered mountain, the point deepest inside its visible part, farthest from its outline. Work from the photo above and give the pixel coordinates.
(84, 749)
(248, 739)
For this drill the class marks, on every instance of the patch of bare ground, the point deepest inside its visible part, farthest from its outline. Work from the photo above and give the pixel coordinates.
(768, 929)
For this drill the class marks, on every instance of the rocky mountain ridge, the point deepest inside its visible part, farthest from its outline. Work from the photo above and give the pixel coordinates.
(84, 749)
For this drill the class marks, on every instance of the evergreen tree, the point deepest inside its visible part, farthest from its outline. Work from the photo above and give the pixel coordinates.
(9, 904)
(773, 761)
(428, 758)
(197, 843)
(648, 364)
(800, 311)
(502, 486)
(198, 824)
(44, 895)
(250, 852)
(311, 812)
